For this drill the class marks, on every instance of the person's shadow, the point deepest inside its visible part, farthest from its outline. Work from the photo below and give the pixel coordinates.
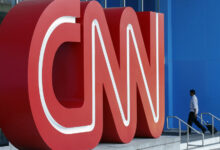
(3, 139)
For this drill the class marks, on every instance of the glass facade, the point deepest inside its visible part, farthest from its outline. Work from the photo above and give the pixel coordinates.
(5, 6)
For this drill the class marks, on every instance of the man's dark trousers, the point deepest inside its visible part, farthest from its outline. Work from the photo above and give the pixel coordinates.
(193, 119)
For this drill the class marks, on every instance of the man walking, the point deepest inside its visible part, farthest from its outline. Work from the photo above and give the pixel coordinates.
(194, 109)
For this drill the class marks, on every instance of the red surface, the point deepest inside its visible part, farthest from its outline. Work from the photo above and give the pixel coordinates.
(67, 74)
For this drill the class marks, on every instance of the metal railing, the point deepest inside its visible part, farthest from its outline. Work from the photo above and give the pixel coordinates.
(124, 4)
(213, 120)
(188, 126)
(14, 2)
(105, 3)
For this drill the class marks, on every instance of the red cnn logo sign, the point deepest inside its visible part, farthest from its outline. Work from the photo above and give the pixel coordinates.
(74, 74)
